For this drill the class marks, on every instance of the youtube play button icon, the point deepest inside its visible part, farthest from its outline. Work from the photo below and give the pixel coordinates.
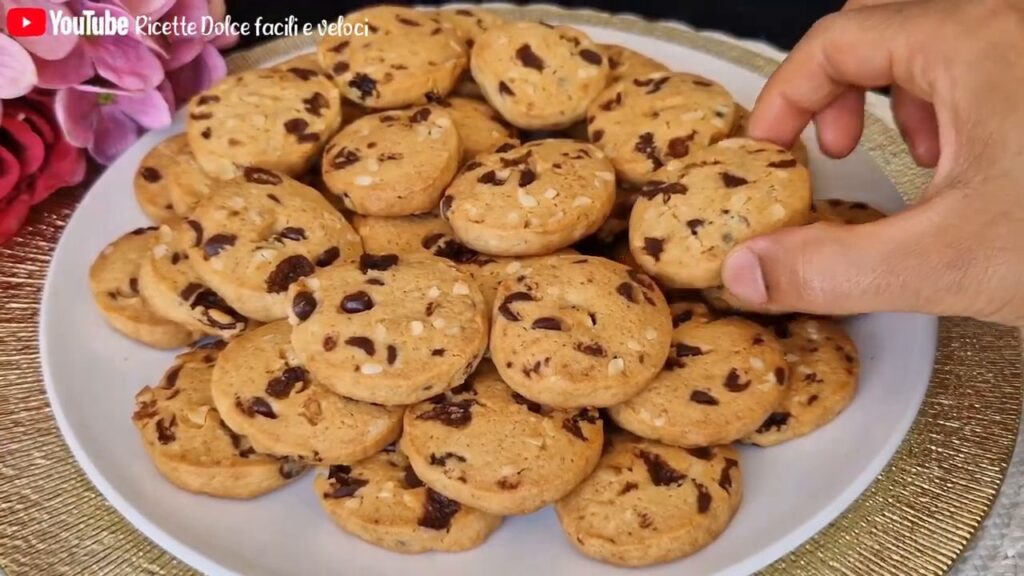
(26, 22)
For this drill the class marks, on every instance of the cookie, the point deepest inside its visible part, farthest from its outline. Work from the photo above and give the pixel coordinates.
(114, 282)
(150, 184)
(824, 367)
(687, 306)
(539, 77)
(844, 212)
(739, 130)
(407, 56)
(480, 128)
(259, 233)
(264, 392)
(171, 168)
(577, 331)
(486, 446)
(382, 501)
(644, 123)
(531, 200)
(649, 503)
(172, 288)
(400, 235)
(189, 443)
(273, 119)
(721, 380)
(392, 330)
(626, 64)
(687, 220)
(305, 64)
(469, 23)
(393, 163)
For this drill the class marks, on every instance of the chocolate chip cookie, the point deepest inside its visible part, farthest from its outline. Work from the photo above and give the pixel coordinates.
(170, 172)
(259, 233)
(577, 331)
(382, 501)
(649, 503)
(273, 119)
(114, 282)
(721, 380)
(189, 443)
(408, 56)
(402, 234)
(538, 77)
(739, 130)
(823, 371)
(393, 163)
(626, 64)
(392, 330)
(480, 128)
(844, 212)
(486, 446)
(687, 219)
(647, 122)
(530, 200)
(263, 391)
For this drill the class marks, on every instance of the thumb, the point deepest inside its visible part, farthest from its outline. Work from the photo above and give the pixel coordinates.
(906, 262)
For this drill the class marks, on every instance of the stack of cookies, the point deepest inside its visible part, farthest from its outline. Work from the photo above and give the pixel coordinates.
(471, 268)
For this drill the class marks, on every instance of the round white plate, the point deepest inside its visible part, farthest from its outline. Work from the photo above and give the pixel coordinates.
(791, 491)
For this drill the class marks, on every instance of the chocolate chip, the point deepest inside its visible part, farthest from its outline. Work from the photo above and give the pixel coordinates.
(328, 257)
(207, 99)
(791, 163)
(653, 247)
(665, 189)
(407, 21)
(504, 88)
(733, 382)
(645, 145)
(684, 350)
(627, 488)
(356, 302)
(150, 174)
(330, 343)
(410, 479)
(489, 177)
(206, 133)
(471, 165)
(197, 228)
(704, 453)
(341, 484)
(597, 135)
(256, 406)
(392, 354)
(506, 147)
(452, 249)
(287, 272)
(702, 397)
(725, 479)
(217, 244)
(532, 406)
(340, 67)
(296, 126)
(572, 424)
(505, 308)
(527, 177)
(363, 343)
(339, 47)
(682, 317)
(679, 146)
(441, 460)
(780, 376)
(612, 103)
(451, 413)
(438, 511)
(439, 352)
(281, 386)
(420, 115)
(316, 104)
(303, 74)
(703, 498)
(378, 262)
(591, 57)
(201, 115)
(590, 349)
(261, 176)
(661, 472)
(365, 85)
(165, 430)
(695, 224)
(344, 158)
(732, 180)
(777, 420)
(628, 291)
(547, 323)
(133, 285)
(527, 57)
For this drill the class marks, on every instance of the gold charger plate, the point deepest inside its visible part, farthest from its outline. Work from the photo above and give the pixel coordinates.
(915, 519)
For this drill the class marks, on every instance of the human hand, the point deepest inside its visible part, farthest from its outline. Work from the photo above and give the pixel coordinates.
(957, 72)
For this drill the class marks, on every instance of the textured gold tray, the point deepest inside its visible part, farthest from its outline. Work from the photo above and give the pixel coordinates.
(915, 519)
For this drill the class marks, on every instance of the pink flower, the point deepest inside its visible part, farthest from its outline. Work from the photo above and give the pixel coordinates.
(35, 159)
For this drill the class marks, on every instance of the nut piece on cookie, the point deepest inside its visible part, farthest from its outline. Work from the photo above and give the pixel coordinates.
(538, 77)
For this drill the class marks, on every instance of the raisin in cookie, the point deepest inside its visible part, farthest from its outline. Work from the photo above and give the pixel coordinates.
(687, 221)
(823, 371)
(626, 64)
(263, 391)
(407, 56)
(739, 130)
(382, 501)
(173, 289)
(171, 171)
(480, 128)
(844, 212)
(268, 118)
(645, 123)
(114, 282)
(486, 446)
(649, 503)
(400, 235)
(721, 380)
(189, 443)
(578, 331)
(392, 330)
(538, 77)
(259, 233)
(393, 163)
(469, 23)
(531, 200)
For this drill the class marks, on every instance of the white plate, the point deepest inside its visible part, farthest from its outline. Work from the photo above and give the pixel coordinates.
(791, 491)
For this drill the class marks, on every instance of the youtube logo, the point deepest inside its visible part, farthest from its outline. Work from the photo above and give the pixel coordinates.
(26, 22)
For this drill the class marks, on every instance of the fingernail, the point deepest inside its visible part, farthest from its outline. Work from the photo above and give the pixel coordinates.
(742, 275)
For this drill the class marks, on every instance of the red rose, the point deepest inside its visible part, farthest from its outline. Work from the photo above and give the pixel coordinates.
(35, 159)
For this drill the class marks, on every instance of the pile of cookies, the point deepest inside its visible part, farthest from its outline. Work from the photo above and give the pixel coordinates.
(470, 268)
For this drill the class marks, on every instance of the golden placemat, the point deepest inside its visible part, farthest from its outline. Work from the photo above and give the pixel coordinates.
(915, 519)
